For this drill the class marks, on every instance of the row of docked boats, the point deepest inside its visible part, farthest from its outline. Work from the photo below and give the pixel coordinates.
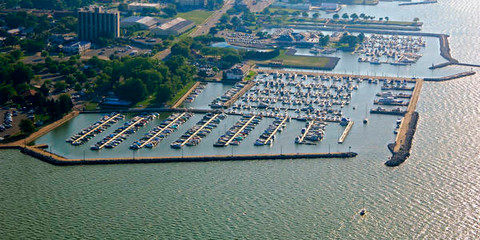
(395, 95)
(390, 101)
(220, 102)
(268, 136)
(96, 128)
(122, 133)
(403, 50)
(239, 131)
(160, 132)
(194, 135)
(393, 111)
(199, 89)
(312, 133)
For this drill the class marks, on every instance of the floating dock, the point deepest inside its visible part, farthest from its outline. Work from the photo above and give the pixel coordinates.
(161, 130)
(276, 130)
(94, 129)
(345, 132)
(240, 130)
(198, 130)
(310, 124)
(121, 133)
(237, 95)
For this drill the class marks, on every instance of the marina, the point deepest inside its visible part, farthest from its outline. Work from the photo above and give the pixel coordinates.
(313, 133)
(120, 134)
(195, 134)
(239, 131)
(86, 134)
(155, 136)
(268, 136)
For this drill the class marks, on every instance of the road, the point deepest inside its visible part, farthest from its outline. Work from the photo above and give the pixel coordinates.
(260, 6)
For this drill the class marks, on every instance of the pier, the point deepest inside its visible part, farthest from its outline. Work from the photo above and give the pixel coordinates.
(310, 124)
(94, 129)
(161, 130)
(345, 132)
(120, 133)
(198, 130)
(235, 97)
(240, 130)
(276, 130)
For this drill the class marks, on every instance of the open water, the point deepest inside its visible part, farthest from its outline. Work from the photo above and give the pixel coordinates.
(433, 195)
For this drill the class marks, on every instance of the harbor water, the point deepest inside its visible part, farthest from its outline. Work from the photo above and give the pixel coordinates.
(433, 195)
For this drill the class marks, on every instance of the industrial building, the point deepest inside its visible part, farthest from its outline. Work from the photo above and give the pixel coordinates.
(138, 7)
(175, 26)
(94, 22)
(142, 22)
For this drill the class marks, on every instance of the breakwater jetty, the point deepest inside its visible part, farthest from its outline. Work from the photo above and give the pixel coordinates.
(403, 141)
(451, 77)
(59, 160)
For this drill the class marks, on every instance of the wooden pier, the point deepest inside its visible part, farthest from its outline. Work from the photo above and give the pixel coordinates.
(94, 129)
(345, 132)
(200, 129)
(276, 130)
(161, 131)
(310, 124)
(120, 133)
(240, 130)
(237, 95)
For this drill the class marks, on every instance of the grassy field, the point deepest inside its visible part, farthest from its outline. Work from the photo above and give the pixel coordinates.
(197, 16)
(302, 60)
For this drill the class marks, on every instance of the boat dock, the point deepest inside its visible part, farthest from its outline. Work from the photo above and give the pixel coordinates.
(199, 129)
(310, 124)
(276, 129)
(345, 132)
(162, 130)
(237, 95)
(240, 130)
(110, 119)
(121, 133)
(182, 99)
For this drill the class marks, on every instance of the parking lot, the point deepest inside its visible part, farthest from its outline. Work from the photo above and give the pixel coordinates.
(16, 118)
(104, 53)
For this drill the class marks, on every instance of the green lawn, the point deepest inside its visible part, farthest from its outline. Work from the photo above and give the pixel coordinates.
(197, 16)
(302, 60)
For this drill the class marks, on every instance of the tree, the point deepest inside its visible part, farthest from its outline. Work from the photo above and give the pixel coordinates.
(362, 15)
(133, 89)
(164, 93)
(416, 19)
(361, 37)
(44, 53)
(21, 74)
(336, 16)
(224, 19)
(387, 19)
(26, 126)
(345, 16)
(354, 16)
(60, 85)
(65, 103)
(316, 15)
(305, 14)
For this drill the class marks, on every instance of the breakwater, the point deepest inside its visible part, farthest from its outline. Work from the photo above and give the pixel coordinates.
(182, 99)
(400, 155)
(58, 160)
(417, 3)
(451, 77)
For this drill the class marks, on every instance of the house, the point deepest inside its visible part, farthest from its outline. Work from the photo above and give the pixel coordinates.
(77, 48)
